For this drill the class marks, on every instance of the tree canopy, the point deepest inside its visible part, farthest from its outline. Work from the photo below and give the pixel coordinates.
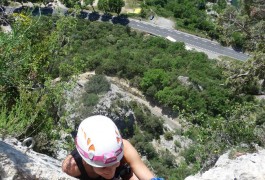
(111, 5)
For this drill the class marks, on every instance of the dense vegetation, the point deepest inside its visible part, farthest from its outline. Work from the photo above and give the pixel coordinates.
(244, 27)
(240, 24)
(215, 100)
(189, 14)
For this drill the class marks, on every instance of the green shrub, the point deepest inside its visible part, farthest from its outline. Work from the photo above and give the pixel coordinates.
(168, 136)
(168, 159)
(260, 118)
(190, 155)
(141, 141)
(160, 169)
(90, 99)
(97, 84)
(153, 125)
(178, 131)
(150, 151)
(177, 144)
(260, 133)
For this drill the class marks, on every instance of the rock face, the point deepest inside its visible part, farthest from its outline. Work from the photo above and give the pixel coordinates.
(16, 163)
(104, 106)
(185, 81)
(245, 167)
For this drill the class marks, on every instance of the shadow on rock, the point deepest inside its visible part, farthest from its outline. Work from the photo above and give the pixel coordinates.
(122, 19)
(16, 156)
(94, 16)
(169, 112)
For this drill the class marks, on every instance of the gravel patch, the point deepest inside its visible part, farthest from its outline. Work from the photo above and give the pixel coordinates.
(163, 22)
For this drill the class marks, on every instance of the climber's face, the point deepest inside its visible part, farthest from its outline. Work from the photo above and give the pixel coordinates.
(106, 172)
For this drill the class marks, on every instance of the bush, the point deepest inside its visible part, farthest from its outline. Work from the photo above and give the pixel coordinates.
(141, 141)
(153, 126)
(90, 99)
(159, 169)
(149, 151)
(260, 118)
(260, 133)
(190, 155)
(177, 144)
(97, 84)
(168, 159)
(168, 136)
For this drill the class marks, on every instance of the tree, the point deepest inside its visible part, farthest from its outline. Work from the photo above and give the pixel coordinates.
(248, 22)
(155, 77)
(89, 2)
(238, 40)
(249, 80)
(111, 5)
(28, 61)
(116, 5)
(222, 4)
(103, 5)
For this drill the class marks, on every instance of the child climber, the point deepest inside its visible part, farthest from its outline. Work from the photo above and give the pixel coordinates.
(101, 154)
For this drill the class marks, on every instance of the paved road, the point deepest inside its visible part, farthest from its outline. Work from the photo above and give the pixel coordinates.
(202, 44)
(193, 41)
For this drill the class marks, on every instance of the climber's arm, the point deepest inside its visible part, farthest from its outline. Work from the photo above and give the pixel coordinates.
(138, 167)
(69, 166)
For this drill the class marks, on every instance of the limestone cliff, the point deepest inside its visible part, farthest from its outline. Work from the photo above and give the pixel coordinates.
(16, 163)
(244, 167)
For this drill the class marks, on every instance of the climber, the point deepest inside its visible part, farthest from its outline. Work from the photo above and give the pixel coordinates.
(101, 153)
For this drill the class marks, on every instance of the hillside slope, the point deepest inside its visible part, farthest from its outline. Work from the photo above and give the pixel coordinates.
(16, 163)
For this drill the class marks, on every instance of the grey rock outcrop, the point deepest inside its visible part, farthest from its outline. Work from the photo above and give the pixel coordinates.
(185, 81)
(18, 163)
(244, 167)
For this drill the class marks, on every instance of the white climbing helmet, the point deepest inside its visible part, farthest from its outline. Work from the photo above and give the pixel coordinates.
(99, 142)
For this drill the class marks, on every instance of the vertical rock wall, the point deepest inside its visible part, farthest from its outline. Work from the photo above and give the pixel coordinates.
(18, 163)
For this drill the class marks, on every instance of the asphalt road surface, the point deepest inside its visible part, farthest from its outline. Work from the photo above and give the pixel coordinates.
(188, 39)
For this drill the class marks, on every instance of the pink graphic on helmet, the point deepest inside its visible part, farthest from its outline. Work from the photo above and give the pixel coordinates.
(105, 158)
(84, 153)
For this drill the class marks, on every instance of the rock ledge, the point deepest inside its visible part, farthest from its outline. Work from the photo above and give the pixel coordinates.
(18, 163)
(244, 167)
